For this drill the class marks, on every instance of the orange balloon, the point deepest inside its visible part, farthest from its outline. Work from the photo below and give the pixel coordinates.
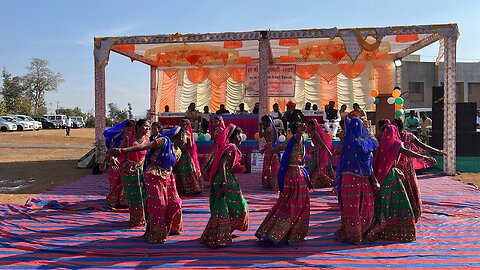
(396, 93)
(256, 136)
(374, 93)
(398, 107)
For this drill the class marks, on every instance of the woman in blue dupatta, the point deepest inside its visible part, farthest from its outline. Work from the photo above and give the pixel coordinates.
(288, 220)
(271, 163)
(354, 190)
(164, 210)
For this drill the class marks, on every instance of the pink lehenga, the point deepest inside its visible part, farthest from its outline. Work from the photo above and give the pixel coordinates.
(271, 163)
(116, 196)
(320, 168)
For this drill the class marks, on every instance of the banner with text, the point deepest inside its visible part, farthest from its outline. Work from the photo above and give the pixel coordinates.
(281, 81)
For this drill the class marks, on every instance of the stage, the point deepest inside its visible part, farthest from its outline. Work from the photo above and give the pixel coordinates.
(71, 227)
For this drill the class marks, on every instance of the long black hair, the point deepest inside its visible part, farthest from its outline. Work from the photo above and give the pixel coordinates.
(294, 127)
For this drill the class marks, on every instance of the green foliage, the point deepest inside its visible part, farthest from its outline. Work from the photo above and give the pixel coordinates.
(130, 115)
(13, 92)
(71, 112)
(3, 110)
(116, 115)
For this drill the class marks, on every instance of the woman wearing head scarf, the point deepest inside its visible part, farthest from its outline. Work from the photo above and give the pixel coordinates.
(163, 203)
(352, 184)
(218, 125)
(287, 221)
(131, 169)
(187, 169)
(320, 168)
(394, 219)
(271, 163)
(406, 165)
(113, 138)
(228, 207)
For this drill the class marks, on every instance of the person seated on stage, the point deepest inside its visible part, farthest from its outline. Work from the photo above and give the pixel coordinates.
(222, 110)
(412, 122)
(343, 111)
(194, 116)
(205, 119)
(315, 107)
(292, 114)
(256, 108)
(331, 119)
(425, 123)
(167, 108)
(276, 114)
(358, 111)
(308, 106)
(241, 108)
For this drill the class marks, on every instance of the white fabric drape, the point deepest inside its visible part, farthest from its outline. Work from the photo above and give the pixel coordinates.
(235, 94)
(299, 92)
(188, 93)
(204, 93)
(311, 87)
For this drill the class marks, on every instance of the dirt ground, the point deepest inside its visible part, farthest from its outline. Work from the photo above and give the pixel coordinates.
(33, 161)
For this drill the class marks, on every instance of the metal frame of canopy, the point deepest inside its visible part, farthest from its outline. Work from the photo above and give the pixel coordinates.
(354, 40)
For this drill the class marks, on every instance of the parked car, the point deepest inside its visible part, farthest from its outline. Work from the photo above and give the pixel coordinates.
(21, 125)
(60, 119)
(36, 124)
(77, 122)
(7, 125)
(46, 124)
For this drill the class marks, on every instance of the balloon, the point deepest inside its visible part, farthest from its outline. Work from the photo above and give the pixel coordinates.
(281, 138)
(369, 100)
(396, 93)
(374, 93)
(390, 100)
(256, 136)
(244, 137)
(376, 101)
(398, 107)
(208, 137)
(201, 137)
(289, 136)
(195, 136)
(399, 113)
(399, 100)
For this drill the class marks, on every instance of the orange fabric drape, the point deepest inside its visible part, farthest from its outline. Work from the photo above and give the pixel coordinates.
(238, 74)
(219, 96)
(169, 89)
(328, 72)
(352, 71)
(282, 103)
(406, 38)
(383, 77)
(232, 44)
(288, 42)
(218, 75)
(328, 91)
(198, 75)
(306, 71)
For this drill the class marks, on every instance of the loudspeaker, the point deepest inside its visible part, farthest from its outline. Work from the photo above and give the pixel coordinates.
(466, 117)
(437, 108)
(468, 143)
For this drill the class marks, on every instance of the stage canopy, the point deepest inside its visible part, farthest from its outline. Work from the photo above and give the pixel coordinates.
(210, 69)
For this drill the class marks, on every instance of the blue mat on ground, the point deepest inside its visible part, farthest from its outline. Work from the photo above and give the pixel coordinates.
(71, 227)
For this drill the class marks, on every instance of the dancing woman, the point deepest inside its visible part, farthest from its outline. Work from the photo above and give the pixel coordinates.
(287, 221)
(218, 126)
(271, 163)
(228, 207)
(163, 203)
(187, 169)
(320, 168)
(405, 164)
(355, 182)
(394, 218)
(131, 169)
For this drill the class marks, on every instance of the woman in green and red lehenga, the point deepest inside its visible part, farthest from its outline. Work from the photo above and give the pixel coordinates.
(187, 169)
(320, 168)
(228, 207)
(218, 126)
(287, 221)
(394, 218)
(271, 163)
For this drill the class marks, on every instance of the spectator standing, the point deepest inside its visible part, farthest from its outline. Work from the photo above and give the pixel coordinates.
(68, 126)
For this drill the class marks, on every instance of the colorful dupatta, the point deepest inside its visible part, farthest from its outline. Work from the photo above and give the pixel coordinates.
(285, 163)
(114, 135)
(166, 157)
(193, 150)
(323, 158)
(387, 152)
(223, 144)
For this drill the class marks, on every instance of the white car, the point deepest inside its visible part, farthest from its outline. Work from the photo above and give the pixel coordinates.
(36, 124)
(7, 126)
(21, 125)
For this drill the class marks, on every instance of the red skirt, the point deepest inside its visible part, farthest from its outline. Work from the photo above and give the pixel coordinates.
(357, 208)
(271, 163)
(116, 195)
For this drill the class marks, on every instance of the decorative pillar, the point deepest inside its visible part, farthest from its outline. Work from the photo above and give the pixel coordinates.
(100, 111)
(153, 93)
(264, 55)
(449, 112)
(398, 76)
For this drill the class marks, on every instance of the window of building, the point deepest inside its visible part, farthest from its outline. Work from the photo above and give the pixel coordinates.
(415, 91)
(474, 93)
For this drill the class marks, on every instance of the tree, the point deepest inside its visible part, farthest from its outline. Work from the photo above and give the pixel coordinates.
(115, 115)
(40, 79)
(130, 115)
(13, 92)
(71, 112)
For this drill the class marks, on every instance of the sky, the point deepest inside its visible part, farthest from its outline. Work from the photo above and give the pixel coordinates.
(62, 33)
